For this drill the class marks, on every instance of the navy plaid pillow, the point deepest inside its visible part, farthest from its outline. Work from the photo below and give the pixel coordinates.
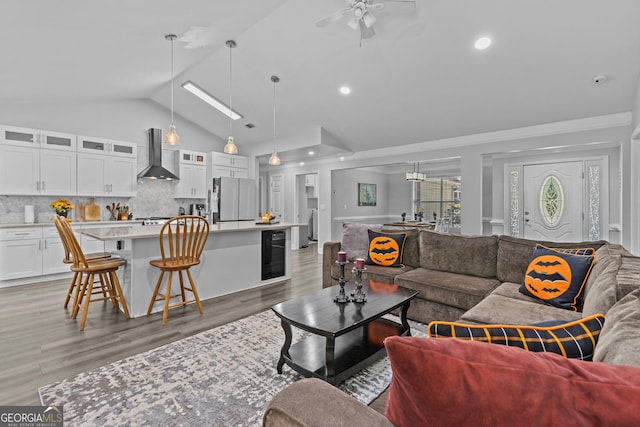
(573, 340)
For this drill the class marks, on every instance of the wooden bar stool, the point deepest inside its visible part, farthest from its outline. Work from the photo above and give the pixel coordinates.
(68, 259)
(104, 268)
(185, 237)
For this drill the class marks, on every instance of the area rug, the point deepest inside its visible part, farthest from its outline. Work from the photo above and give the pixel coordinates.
(221, 377)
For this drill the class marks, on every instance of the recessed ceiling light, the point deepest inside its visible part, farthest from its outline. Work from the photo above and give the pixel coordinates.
(301, 163)
(311, 153)
(342, 158)
(482, 43)
(345, 90)
(211, 100)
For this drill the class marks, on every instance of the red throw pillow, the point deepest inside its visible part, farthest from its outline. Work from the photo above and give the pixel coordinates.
(466, 383)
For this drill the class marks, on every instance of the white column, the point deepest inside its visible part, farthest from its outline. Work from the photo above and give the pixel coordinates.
(634, 244)
(471, 215)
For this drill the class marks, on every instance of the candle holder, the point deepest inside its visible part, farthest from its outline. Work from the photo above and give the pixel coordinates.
(342, 296)
(358, 295)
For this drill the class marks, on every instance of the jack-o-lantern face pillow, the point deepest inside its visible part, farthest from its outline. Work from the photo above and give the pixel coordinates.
(556, 277)
(386, 249)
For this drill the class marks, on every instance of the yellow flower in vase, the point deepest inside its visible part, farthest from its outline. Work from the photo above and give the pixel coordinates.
(62, 207)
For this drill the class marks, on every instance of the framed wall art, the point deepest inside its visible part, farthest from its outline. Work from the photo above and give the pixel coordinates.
(367, 194)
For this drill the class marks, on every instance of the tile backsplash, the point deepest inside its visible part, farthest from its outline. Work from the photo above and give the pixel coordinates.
(154, 198)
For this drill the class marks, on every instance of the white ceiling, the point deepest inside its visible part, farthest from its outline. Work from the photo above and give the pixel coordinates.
(418, 79)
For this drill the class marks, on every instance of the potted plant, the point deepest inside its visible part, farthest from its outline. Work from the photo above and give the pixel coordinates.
(62, 207)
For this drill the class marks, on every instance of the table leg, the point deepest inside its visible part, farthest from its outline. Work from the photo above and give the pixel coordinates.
(285, 347)
(403, 319)
(329, 359)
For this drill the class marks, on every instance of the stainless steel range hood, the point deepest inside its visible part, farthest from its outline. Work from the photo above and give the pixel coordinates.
(155, 169)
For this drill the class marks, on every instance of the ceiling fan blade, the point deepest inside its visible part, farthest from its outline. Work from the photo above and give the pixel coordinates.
(366, 32)
(332, 18)
(376, 6)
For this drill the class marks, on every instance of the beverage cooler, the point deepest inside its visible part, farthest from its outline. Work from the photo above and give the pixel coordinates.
(273, 253)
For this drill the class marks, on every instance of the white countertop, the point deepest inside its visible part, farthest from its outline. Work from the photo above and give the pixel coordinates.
(138, 231)
(74, 224)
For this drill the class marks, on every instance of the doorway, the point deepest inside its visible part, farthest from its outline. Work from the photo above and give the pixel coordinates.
(276, 199)
(558, 201)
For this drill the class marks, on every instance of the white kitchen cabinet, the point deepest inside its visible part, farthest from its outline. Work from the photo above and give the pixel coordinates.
(35, 162)
(123, 177)
(87, 144)
(19, 170)
(33, 171)
(58, 173)
(52, 252)
(223, 159)
(229, 165)
(192, 171)
(106, 168)
(222, 171)
(310, 182)
(31, 251)
(23, 137)
(192, 183)
(20, 253)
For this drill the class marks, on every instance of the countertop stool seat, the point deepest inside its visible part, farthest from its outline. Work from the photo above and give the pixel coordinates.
(74, 287)
(103, 269)
(182, 241)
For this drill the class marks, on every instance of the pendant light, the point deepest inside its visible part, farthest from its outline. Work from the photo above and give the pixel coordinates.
(230, 147)
(416, 176)
(171, 137)
(274, 160)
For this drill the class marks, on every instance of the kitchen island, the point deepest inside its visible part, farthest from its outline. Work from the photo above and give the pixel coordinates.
(231, 260)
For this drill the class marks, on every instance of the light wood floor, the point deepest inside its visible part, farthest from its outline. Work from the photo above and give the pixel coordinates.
(41, 344)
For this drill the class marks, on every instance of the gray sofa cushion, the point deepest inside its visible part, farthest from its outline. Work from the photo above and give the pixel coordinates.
(514, 255)
(621, 277)
(355, 239)
(619, 340)
(456, 290)
(411, 254)
(504, 310)
(469, 255)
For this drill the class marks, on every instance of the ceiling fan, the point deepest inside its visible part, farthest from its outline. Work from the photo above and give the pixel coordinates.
(361, 15)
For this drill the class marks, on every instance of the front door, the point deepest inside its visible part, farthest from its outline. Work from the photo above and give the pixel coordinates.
(553, 201)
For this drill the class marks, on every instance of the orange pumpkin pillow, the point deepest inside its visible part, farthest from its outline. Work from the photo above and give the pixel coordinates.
(556, 277)
(386, 249)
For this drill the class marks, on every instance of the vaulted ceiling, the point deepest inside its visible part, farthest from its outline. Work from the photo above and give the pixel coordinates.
(417, 79)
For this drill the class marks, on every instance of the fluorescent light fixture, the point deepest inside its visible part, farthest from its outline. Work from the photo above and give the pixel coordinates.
(482, 43)
(345, 90)
(209, 99)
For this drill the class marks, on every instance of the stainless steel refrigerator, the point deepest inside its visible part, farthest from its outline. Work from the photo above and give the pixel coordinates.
(234, 199)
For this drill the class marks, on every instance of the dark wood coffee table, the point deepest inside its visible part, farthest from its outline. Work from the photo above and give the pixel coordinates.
(345, 337)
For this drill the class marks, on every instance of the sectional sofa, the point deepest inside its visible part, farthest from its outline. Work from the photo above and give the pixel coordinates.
(475, 280)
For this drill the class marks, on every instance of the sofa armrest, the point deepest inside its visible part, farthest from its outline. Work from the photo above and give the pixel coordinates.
(312, 402)
(329, 255)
